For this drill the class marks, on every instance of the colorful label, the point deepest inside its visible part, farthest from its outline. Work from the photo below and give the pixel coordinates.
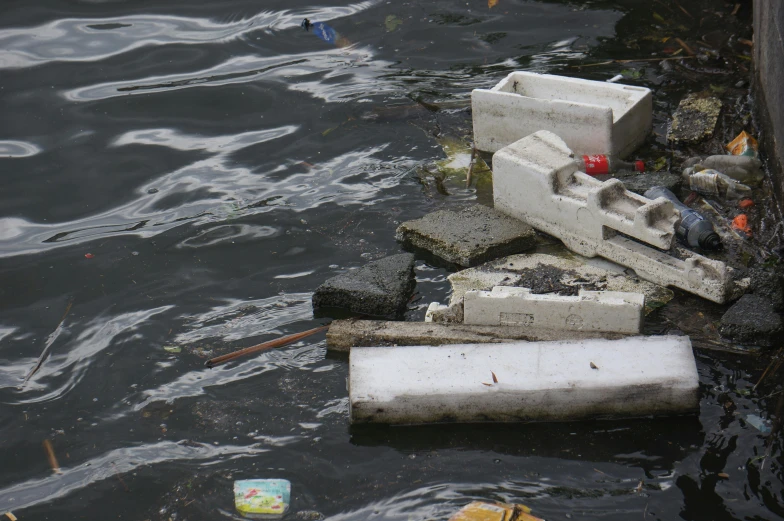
(596, 164)
(262, 497)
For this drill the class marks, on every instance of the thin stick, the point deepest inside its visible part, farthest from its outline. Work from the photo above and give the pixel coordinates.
(685, 47)
(49, 342)
(471, 167)
(684, 10)
(51, 457)
(633, 61)
(117, 473)
(776, 360)
(278, 342)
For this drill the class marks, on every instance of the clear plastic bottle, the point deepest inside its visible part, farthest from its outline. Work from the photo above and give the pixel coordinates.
(598, 164)
(693, 229)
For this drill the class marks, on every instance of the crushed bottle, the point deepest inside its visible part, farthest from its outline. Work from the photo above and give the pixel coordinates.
(712, 182)
(744, 169)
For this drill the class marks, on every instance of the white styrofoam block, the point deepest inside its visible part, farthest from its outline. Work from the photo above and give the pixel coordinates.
(592, 117)
(555, 381)
(536, 181)
(613, 311)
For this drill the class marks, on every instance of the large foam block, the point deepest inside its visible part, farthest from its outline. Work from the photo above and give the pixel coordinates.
(593, 117)
(536, 381)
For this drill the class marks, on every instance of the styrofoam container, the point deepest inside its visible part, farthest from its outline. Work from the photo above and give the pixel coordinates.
(592, 117)
(614, 311)
(545, 381)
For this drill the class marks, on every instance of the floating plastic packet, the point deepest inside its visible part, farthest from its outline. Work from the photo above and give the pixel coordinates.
(481, 511)
(262, 498)
(743, 145)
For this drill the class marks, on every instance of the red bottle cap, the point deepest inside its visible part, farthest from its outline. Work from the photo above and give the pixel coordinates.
(639, 166)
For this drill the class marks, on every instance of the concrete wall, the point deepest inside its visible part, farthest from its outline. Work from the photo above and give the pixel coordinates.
(769, 82)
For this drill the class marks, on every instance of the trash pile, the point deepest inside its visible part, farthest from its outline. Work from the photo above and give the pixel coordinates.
(531, 335)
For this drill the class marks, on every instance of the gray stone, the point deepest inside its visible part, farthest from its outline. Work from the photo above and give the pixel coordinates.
(467, 237)
(380, 288)
(752, 320)
(345, 334)
(694, 120)
(641, 183)
(768, 283)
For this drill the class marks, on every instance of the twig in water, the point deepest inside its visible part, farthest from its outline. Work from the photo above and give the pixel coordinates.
(685, 47)
(278, 342)
(49, 342)
(51, 457)
(777, 361)
(117, 473)
(684, 10)
(471, 166)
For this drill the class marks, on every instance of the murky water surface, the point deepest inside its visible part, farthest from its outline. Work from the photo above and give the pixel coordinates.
(178, 177)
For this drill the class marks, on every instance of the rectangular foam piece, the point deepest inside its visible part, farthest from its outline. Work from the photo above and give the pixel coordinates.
(592, 117)
(537, 381)
(611, 311)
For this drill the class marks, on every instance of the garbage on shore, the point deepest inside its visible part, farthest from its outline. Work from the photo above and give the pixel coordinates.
(743, 145)
(712, 182)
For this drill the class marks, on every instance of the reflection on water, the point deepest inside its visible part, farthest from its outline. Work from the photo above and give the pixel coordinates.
(187, 174)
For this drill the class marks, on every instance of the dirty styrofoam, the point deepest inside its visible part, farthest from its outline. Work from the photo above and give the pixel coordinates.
(592, 117)
(545, 381)
(536, 181)
(262, 498)
(615, 311)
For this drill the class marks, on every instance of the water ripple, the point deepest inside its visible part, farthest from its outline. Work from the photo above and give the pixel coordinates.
(9, 148)
(93, 39)
(109, 465)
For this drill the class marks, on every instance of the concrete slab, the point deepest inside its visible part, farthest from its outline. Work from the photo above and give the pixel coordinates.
(469, 236)
(694, 120)
(380, 288)
(593, 117)
(535, 381)
(752, 320)
(343, 335)
(536, 181)
(614, 311)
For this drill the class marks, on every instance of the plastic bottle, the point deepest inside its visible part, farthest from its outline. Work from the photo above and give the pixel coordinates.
(597, 164)
(712, 182)
(744, 169)
(693, 229)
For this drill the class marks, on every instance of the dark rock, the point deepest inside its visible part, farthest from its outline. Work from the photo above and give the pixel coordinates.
(768, 283)
(467, 237)
(641, 183)
(752, 320)
(380, 288)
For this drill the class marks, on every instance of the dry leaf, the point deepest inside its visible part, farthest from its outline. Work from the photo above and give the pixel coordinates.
(639, 487)
(491, 3)
(495, 378)
(489, 385)
(723, 475)
(593, 366)
(10, 516)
